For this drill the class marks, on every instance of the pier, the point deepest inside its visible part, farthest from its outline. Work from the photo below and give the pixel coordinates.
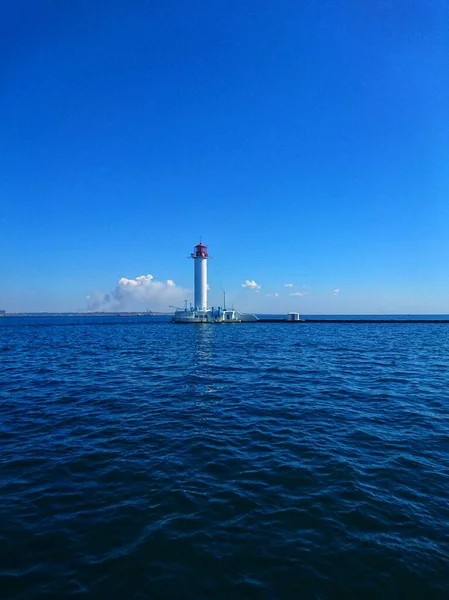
(408, 321)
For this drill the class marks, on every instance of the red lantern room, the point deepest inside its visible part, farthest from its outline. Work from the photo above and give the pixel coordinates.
(200, 251)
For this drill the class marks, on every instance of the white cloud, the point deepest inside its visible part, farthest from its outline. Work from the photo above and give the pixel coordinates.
(275, 295)
(336, 292)
(299, 294)
(250, 283)
(139, 293)
(288, 284)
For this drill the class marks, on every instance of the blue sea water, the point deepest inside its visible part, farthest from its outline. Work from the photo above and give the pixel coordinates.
(142, 459)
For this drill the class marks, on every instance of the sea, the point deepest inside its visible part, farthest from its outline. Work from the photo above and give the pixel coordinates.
(144, 460)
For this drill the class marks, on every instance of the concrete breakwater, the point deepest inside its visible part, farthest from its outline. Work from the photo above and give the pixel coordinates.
(350, 320)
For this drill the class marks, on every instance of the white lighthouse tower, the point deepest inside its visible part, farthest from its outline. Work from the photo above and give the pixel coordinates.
(199, 312)
(200, 257)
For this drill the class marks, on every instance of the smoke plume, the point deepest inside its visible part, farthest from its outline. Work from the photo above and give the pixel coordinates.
(142, 293)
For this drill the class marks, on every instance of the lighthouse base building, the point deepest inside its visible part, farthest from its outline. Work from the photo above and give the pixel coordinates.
(199, 312)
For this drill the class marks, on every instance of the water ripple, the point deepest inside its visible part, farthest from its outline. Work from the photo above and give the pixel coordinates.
(147, 460)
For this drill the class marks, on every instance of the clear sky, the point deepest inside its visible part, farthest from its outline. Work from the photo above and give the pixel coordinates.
(306, 142)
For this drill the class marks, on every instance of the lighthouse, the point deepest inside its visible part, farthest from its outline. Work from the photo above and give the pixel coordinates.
(199, 312)
(200, 257)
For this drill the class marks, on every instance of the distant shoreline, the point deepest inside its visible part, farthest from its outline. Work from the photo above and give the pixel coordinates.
(88, 314)
(308, 316)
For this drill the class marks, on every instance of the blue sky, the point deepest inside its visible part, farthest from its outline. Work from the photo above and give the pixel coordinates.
(306, 142)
